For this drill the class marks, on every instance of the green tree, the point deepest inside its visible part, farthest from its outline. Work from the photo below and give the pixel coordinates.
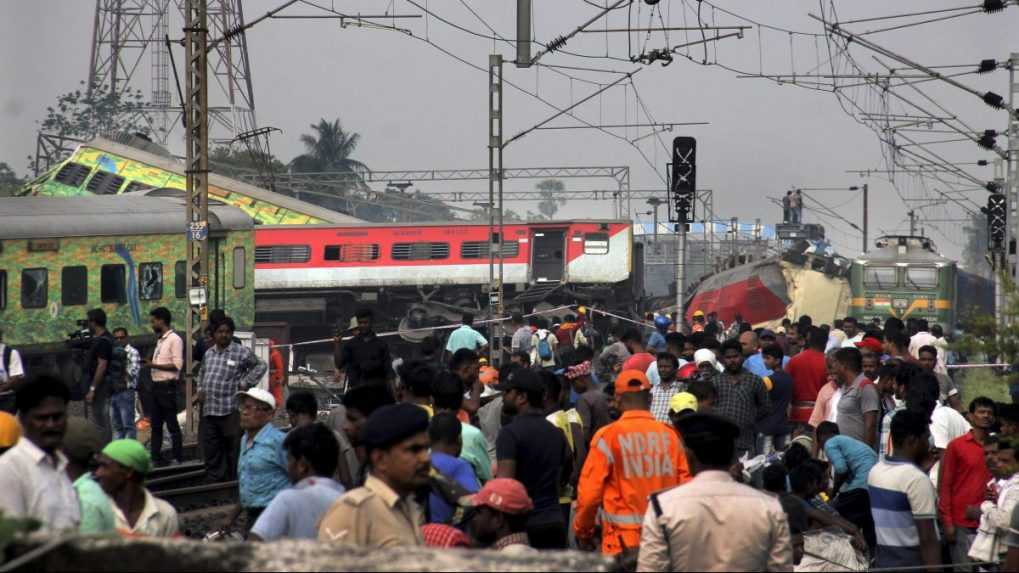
(10, 183)
(85, 113)
(330, 148)
(551, 196)
(232, 162)
(985, 337)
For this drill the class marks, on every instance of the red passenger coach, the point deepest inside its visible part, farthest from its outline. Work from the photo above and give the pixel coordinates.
(429, 273)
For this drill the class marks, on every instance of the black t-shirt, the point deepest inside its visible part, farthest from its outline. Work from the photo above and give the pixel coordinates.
(541, 453)
(777, 422)
(102, 347)
(366, 358)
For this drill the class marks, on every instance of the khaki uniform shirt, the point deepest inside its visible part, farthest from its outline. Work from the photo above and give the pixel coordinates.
(373, 516)
(715, 524)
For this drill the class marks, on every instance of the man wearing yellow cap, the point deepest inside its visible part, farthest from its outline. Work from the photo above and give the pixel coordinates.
(123, 465)
(681, 405)
(698, 321)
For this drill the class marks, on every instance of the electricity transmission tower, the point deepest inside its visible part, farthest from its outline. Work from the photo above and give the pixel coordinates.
(125, 32)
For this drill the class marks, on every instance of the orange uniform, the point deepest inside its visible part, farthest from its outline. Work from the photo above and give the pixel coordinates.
(629, 460)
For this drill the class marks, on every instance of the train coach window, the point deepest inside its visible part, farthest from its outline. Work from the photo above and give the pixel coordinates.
(921, 277)
(479, 249)
(113, 284)
(283, 254)
(180, 279)
(73, 286)
(879, 277)
(72, 174)
(351, 253)
(420, 251)
(240, 267)
(150, 281)
(3, 290)
(596, 244)
(34, 288)
(105, 183)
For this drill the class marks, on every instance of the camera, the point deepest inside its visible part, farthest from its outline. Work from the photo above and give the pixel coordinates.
(81, 338)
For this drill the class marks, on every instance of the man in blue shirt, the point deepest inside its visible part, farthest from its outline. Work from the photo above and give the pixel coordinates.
(851, 461)
(466, 337)
(312, 455)
(262, 467)
(444, 432)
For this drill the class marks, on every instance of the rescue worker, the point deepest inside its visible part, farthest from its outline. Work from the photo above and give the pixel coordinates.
(628, 461)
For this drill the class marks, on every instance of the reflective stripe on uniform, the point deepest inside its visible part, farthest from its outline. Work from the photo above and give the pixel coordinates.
(623, 519)
(604, 447)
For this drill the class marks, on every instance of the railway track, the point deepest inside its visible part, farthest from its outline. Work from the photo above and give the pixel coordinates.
(196, 497)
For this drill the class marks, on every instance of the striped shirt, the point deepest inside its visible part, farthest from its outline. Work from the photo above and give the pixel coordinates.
(900, 495)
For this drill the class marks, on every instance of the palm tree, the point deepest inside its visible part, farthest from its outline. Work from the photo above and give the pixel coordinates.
(330, 149)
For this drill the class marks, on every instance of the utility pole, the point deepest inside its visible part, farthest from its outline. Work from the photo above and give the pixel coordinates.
(197, 121)
(865, 216)
(655, 202)
(1011, 191)
(496, 303)
(912, 223)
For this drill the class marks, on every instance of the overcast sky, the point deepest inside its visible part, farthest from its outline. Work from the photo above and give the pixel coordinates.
(418, 108)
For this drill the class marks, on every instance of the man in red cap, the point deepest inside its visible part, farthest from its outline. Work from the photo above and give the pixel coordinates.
(628, 461)
(500, 518)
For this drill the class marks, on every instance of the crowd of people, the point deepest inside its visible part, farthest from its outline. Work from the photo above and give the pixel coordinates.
(663, 444)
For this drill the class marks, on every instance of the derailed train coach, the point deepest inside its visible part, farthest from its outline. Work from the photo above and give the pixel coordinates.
(420, 275)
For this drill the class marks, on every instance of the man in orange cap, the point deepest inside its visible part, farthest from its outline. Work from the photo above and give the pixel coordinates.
(628, 461)
(10, 431)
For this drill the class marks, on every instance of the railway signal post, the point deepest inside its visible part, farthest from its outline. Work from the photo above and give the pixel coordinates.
(197, 121)
(683, 194)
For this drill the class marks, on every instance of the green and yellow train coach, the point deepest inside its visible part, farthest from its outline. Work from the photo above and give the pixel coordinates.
(904, 277)
(61, 256)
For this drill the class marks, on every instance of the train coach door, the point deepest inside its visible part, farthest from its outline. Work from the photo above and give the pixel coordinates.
(548, 255)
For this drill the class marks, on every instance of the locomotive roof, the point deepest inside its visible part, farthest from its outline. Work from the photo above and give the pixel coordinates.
(55, 217)
(915, 252)
(549, 224)
(169, 163)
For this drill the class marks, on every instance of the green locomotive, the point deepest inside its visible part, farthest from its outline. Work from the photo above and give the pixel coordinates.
(905, 277)
(60, 256)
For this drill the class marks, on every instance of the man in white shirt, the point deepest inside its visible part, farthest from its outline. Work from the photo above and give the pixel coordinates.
(853, 333)
(33, 477)
(11, 374)
(922, 338)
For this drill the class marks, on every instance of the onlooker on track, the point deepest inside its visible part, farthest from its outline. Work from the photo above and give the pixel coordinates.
(81, 444)
(227, 369)
(312, 454)
(166, 364)
(262, 467)
(123, 465)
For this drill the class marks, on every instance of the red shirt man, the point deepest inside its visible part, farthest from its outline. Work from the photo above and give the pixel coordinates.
(964, 473)
(809, 374)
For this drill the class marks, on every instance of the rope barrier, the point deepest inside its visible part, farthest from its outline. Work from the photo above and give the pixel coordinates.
(623, 318)
(961, 366)
(425, 329)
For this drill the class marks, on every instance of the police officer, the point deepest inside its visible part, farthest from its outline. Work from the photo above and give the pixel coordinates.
(383, 513)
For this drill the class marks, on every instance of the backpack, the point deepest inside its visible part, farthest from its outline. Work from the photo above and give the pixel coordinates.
(544, 348)
(116, 369)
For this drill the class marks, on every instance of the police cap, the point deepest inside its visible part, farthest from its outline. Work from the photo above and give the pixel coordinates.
(392, 424)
